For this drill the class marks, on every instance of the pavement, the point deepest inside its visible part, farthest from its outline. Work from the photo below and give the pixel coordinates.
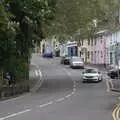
(62, 96)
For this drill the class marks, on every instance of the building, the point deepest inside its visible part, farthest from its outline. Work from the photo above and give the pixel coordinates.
(98, 49)
(84, 50)
(113, 45)
(50, 45)
(47, 45)
(72, 49)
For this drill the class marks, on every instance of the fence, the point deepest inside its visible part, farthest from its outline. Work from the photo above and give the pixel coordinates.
(13, 90)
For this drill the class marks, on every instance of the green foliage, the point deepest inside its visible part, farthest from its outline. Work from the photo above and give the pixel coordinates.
(72, 15)
(21, 25)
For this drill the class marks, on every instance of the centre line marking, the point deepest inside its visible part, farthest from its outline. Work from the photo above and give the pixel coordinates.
(68, 96)
(40, 73)
(15, 114)
(36, 72)
(59, 100)
(74, 90)
(74, 85)
(73, 93)
(44, 105)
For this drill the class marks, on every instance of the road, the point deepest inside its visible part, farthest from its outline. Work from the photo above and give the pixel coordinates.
(62, 97)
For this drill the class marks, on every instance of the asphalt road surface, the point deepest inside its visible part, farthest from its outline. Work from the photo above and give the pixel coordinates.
(62, 97)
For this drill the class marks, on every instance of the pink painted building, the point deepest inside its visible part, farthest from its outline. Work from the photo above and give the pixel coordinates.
(98, 49)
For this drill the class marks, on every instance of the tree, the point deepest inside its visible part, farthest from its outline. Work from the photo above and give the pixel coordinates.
(72, 15)
(21, 26)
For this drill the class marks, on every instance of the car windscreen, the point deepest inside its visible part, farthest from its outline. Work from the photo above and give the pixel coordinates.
(91, 71)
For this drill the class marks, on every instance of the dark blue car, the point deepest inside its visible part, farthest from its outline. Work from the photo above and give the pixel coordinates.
(48, 55)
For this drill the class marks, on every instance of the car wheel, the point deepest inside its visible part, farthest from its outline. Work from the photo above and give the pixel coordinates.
(100, 79)
(112, 77)
(83, 81)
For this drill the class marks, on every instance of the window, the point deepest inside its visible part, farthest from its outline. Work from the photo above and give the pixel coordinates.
(92, 42)
(92, 55)
(82, 42)
(95, 41)
(101, 54)
(88, 54)
(101, 36)
(80, 53)
(98, 52)
(88, 41)
(111, 58)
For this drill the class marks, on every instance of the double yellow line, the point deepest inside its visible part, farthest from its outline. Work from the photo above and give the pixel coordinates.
(116, 113)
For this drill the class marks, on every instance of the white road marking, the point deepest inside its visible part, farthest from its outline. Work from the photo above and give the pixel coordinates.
(74, 82)
(59, 100)
(117, 114)
(74, 85)
(44, 105)
(36, 72)
(108, 85)
(67, 72)
(67, 96)
(40, 73)
(39, 83)
(114, 113)
(15, 114)
(74, 90)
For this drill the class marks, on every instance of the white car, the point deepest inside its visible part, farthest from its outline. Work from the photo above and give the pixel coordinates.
(76, 62)
(91, 75)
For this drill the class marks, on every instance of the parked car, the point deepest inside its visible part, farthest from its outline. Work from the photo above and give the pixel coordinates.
(76, 62)
(114, 71)
(91, 75)
(48, 55)
(65, 60)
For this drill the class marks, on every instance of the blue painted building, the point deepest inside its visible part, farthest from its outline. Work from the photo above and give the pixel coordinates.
(72, 49)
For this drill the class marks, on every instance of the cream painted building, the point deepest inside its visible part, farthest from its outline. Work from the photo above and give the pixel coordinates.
(84, 50)
(49, 45)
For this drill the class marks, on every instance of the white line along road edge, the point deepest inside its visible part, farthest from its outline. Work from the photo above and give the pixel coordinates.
(15, 114)
(40, 81)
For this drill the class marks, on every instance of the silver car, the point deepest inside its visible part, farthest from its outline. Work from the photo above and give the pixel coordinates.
(91, 75)
(76, 62)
